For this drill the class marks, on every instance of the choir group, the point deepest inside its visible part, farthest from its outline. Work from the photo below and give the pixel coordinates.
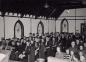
(66, 46)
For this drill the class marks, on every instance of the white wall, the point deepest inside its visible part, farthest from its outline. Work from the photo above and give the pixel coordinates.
(1, 28)
(30, 25)
(10, 22)
(70, 15)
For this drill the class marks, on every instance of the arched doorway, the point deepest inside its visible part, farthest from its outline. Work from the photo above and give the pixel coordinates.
(64, 26)
(18, 30)
(40, 28)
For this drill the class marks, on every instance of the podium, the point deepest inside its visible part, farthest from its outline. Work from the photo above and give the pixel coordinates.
(4, 55)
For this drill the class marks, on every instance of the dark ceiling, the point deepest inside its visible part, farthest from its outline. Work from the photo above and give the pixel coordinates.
(36, 7)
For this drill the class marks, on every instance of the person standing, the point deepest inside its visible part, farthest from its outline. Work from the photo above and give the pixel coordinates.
(59, 54)
(32, 51)
(42, 49)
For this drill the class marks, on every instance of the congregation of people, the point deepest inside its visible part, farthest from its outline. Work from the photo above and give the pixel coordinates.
(67, 46)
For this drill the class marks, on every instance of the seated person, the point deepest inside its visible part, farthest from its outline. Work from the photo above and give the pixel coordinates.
(73, 47)
(77, 43)
(59, 54)
(74, 57)
(85, 49)
(1, 46)
(81, 48)
(12, 44)
(82, 57)
(4, 44)
(67, 54)
(22, 55)
(16, 51)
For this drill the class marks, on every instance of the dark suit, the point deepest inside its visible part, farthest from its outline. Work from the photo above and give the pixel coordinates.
(42, 51)
(48, 48)
(32, 53)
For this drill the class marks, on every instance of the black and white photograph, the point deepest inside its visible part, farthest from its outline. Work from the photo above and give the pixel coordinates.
(42, 30)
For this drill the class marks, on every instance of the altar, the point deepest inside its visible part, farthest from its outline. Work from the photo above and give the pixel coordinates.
(4, 55)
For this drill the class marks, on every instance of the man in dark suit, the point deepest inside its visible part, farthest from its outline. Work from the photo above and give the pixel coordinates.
(42, 49)
(48, 46)
(54, 45)
(32, 52)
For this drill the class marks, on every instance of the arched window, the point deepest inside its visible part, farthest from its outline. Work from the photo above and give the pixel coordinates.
(64, 26)
(40, 28)
(18, 30)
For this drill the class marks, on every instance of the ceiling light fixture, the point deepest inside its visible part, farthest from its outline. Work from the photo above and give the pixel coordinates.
(46, 5)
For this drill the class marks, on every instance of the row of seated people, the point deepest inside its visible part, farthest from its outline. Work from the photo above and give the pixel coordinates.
(34, 47)
(75, 53)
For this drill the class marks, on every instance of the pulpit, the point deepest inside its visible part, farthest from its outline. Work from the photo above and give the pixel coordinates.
(4, 55)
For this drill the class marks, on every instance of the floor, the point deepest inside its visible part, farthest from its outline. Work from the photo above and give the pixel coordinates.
(13, 61)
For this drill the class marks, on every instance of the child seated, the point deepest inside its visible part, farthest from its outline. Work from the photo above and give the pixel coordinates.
(59, 54)
(82, 58)
(22, 55)
(74, 57)
(67, 55)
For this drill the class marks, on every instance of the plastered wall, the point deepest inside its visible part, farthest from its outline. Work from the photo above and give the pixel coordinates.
(30, 25)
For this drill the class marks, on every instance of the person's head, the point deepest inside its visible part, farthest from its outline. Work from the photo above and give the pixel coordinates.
(23, 52)
(32, 41)
(53, 38)
(33, 38)
(58, 49)
(80, 53)
(36, 39)
(81, 41)
(39, 39)
(18, 43)
(15, 39)
(77, 42)
(42, 40)
(13, 43)
(81, 47)
(47, 38)
(72, 43)
(67, 51)
(27, 39)
(59, 38)
(62, 35)
(22, 40)
(71, 53)
(30, 38)
(30, 34)
(27, 43)
(85, 44)
(43, 36)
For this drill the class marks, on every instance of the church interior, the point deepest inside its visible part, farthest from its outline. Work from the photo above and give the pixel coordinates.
(42, 30)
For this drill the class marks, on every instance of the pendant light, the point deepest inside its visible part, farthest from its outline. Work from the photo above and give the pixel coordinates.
(46, 5)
